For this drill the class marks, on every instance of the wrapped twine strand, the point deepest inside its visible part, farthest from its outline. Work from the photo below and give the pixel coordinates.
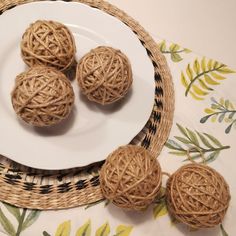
(197, 195)
(48, 43)
(104, 75)
(131, 177)
(42, 96)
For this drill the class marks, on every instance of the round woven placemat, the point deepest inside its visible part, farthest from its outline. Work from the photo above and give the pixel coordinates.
(39, 189)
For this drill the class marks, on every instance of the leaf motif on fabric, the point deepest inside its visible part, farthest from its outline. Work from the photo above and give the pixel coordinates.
(84, 230)
(123, 230)
(200, 77)
(104, 230)
(222, 111)
(6, 224)
(174, 50)
(64, 229)
(197, 144)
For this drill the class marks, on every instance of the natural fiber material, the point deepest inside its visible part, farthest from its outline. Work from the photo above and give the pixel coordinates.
(27, 187)
(39, 189)
(48, 43)
(198, 196)
(131, 177)
(42, 96)
(104, 75)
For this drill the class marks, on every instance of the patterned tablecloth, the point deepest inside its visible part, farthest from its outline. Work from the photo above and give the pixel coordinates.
(205, 117)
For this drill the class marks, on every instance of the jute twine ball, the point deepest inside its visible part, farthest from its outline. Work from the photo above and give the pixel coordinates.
(104, 75)
(131, 177)
(48, 43)
(42, 96)
(198, 196)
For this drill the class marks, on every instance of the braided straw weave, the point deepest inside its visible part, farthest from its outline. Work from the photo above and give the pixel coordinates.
(104, 75)
(42, 96)
(198, 196)
(30, 188)
(48, 43)
(131, 177)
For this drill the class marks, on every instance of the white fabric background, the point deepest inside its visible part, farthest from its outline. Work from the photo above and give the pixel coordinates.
(207, 27)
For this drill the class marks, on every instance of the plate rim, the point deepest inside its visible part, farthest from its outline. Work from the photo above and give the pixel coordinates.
(51, 167)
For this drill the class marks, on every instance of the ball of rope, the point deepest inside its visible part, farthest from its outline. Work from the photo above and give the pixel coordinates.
(48, 43)
(131, 177)
(104, 75)
(42, 96)
(198, 196)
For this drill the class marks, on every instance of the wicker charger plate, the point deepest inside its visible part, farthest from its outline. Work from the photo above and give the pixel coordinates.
(31, 188)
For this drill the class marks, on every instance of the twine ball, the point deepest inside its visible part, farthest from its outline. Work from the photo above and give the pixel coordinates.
(131, 177)
(198, 196)
(42, 96)
(48, 43)
(104, 75)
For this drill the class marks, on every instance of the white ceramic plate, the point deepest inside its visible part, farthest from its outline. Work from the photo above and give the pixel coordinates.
(91, 132)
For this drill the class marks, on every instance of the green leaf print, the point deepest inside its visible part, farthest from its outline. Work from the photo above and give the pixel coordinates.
(197, 144)
(84, 230)
(64, 229)
(175, 57)
(223, 232)
(160, 208)
(6, 224)
(30, 219)
(20, 215)
(21, 221)
(104, 230)
(123, 230)
(200, 77)
(46, 233)
(13, 210)
(174, 50)
(222, 111)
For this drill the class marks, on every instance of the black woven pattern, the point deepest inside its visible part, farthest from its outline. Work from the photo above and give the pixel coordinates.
(64, 188)
(12, 179)
(81, 184)
(45, 189)
(10, 7)
(158, 77)
(159, 104)
(29, 186)
(158, 93)
(95, 181)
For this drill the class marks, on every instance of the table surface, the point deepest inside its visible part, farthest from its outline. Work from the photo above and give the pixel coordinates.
(205, 117)
(192, 24)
